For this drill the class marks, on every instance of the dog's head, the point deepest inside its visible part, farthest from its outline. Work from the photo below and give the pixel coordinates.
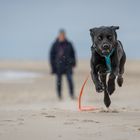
(104, 38)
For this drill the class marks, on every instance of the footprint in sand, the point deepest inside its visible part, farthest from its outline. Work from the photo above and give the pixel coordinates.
(71, 121)
(68, 123)
(47, 115)
(114, 111)
(91, 121)
(60, 136)
(8, 120)
(75, 120)
(123, 108)
(138, 129)
(20, 121)
(44, 113)
(79, 127)
(108, 111)
(50, 116)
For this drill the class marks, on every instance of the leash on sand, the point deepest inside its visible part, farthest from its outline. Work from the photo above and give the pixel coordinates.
(84, 108)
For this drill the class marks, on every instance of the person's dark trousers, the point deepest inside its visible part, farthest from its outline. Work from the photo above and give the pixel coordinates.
(59, 85)
(70, 84)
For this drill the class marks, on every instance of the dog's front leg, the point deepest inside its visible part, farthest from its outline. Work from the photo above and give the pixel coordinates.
(95, 78)
(111, 81)
(98, 85)
(107, 100)
(114, 73)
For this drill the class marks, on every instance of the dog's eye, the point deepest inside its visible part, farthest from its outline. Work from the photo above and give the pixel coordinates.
(109, 37)
(100, 38)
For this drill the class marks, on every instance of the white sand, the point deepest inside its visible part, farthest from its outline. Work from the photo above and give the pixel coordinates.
(30, 110)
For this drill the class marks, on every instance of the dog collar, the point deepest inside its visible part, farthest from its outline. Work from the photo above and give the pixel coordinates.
(107, 58)
(108, 61)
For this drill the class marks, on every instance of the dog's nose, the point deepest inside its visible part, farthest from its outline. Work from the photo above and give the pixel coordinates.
(106, 46)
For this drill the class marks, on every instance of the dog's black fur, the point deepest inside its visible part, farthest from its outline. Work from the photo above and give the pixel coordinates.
(104, 42)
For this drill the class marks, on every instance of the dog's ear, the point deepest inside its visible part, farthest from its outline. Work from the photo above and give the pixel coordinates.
(115, 27)
(92, 31)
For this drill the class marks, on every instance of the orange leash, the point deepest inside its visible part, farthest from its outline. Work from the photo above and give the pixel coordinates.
(84, 108)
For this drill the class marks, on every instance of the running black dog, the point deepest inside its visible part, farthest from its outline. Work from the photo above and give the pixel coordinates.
(108, 56)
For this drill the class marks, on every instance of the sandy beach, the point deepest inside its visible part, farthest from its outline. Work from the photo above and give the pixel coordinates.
(30, 110)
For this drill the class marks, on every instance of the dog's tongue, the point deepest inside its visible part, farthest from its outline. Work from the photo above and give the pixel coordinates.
(105, 52)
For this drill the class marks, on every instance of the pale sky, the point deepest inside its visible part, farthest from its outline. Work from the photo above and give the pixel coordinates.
(28, 27)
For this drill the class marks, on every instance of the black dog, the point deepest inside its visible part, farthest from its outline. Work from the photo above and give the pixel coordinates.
(108, 56)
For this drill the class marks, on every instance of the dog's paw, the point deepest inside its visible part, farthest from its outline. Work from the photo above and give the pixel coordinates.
(99, 87)
(107, 100)
(111, 86)
(120, 81)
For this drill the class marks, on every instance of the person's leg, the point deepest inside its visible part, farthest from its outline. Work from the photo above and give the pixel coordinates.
(59, 85)
(70, 84)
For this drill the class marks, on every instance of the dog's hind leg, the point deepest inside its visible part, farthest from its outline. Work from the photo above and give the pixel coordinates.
(107, 100)
(121, 70)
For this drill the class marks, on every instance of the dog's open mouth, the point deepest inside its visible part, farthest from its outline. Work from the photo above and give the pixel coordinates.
(106, 52)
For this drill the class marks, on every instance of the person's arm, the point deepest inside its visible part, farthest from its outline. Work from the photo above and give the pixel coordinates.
(73, 55)
(52, 58)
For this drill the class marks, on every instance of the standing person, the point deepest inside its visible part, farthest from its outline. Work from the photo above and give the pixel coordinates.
(62, 60)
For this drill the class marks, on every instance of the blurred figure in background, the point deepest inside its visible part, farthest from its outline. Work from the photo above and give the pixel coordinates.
(62, 60)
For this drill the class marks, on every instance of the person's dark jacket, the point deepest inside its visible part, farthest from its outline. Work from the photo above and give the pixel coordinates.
(62, 57)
